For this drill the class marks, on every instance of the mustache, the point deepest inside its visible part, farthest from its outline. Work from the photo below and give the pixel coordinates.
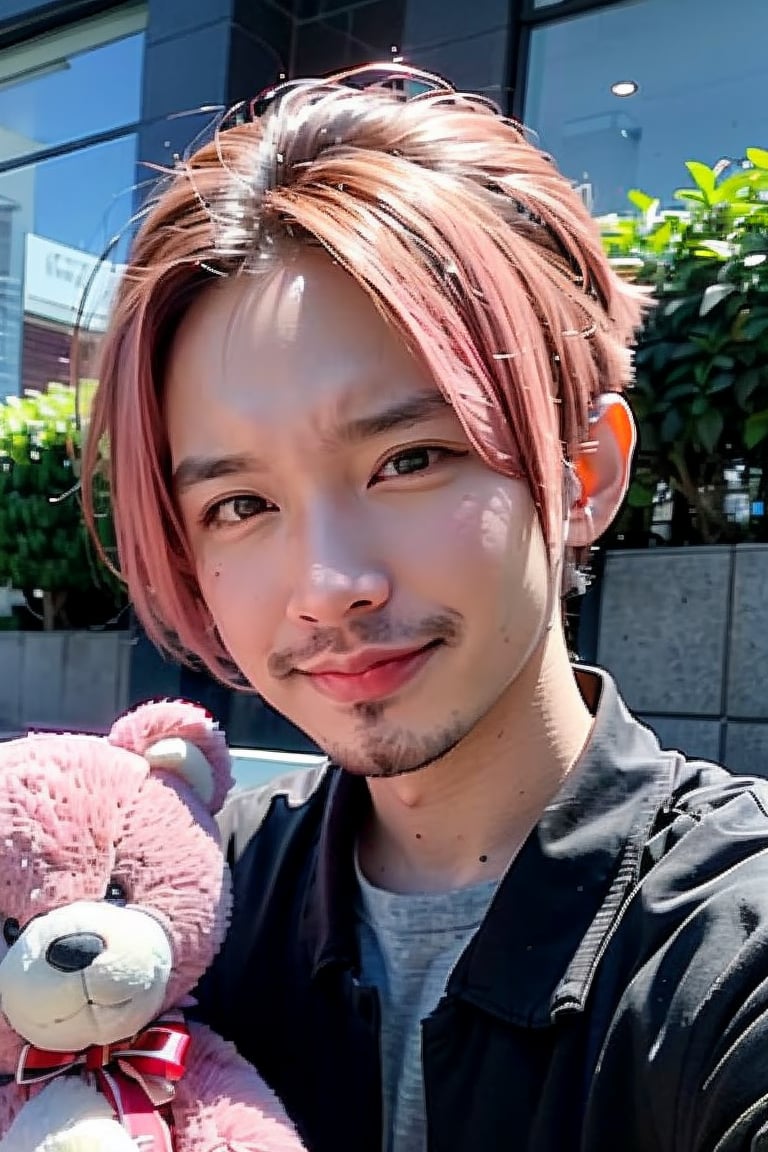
(368, 631)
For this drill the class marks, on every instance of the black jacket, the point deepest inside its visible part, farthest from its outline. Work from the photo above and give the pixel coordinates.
(615, 999)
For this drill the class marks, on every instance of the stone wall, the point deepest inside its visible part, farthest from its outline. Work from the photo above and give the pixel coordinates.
(70, 680)
(685, 633)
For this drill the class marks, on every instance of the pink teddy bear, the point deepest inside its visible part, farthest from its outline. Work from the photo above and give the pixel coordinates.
(114, 899)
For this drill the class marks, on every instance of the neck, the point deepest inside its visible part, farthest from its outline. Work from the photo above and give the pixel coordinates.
(462, 819)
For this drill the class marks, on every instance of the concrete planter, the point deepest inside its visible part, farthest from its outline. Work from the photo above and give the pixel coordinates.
(685, 633)
(70, 680)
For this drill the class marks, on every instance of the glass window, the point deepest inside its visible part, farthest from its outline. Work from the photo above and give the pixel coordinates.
(693, 83)
(56, 220)
(71, 84)
(57, 216)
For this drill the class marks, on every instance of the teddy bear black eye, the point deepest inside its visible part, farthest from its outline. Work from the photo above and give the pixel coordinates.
(11, 931)
(116, 893)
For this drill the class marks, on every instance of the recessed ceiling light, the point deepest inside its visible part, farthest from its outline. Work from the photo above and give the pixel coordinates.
(624, 88)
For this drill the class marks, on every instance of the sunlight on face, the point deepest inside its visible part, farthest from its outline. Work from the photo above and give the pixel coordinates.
(372, 578)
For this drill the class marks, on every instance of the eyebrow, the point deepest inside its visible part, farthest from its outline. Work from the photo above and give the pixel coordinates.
(404, 414)
(199, 469)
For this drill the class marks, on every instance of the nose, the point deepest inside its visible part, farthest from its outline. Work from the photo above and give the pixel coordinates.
(328, 596)
(74, 952)
(335, 578)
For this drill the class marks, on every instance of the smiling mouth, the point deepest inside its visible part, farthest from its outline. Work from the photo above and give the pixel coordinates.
(375, 681)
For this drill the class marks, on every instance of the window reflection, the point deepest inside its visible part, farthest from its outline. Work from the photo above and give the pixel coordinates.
(56, 220)
(72, 84)
(700, 93)
(58, 215)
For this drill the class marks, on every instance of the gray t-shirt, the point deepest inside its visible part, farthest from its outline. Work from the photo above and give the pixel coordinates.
(409, 945)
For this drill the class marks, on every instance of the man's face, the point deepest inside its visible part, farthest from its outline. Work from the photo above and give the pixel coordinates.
(372, 578)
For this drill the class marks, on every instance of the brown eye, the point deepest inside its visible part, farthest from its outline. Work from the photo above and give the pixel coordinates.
(116, 893)
(236, 510)
(420, 459)
(11, 931)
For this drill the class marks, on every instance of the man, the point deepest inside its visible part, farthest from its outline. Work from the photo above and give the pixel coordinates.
(361, 394)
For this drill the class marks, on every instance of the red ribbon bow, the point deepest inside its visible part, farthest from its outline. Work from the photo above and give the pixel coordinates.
(136, 1076)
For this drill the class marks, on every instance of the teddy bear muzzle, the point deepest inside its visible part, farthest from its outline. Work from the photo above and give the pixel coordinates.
(85, 973)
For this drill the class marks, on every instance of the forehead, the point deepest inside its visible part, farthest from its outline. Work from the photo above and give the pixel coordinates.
(302, 343)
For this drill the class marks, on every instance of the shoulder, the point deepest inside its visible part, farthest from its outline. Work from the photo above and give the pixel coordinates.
(695, 946)
(707, 852)
(699, 785)
(712, 819)
(685, 968)
(286, 801)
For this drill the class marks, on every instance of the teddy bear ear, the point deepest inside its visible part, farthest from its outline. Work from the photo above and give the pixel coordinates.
(174, 736)
(186, 760)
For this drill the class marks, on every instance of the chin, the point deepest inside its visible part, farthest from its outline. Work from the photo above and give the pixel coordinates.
(399, 752)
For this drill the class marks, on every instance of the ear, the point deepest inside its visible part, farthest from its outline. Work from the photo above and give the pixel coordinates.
(603, 468)
(184, 759)
(178, 737)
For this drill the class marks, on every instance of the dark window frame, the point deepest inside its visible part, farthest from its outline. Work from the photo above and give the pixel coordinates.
(560, 11)
(52, 17)
(524, 18)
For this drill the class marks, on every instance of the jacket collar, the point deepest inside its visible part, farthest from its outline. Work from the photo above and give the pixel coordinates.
(535, 953)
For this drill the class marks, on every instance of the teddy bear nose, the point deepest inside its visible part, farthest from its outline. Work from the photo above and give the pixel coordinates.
(75, 951)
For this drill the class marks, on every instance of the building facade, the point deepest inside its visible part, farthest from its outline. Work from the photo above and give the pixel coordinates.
(94, 95)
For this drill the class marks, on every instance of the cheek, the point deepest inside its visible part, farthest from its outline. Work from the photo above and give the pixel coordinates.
(494, 558)
(232, 581)
(486, 533)
(489, 528)
(246, 597)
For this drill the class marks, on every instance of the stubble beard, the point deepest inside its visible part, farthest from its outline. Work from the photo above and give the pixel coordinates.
(384, 755)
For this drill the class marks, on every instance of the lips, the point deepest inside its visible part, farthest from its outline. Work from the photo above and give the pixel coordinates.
(371, 675)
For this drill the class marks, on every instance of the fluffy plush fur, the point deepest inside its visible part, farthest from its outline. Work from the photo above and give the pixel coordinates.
(114, 898)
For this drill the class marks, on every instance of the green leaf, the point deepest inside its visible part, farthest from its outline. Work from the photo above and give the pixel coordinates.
(746, 385)
(691, 194)
(640, 495)
(756, 428)
(751, 242)
(722, 248)
(672, 426)
(758, 157)
(748, 354)
(714, 295)
(755, 327)
(680, 391)
(644, 354)
(674, 306)
(641, 200)
(721, 382)
(701, 371)
(709, 427)
(734, 189)
(703, 177)
(659, 237)
(685, 351)
(700, 405)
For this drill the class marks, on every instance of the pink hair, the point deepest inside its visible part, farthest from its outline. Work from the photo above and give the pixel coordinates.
(463, 234)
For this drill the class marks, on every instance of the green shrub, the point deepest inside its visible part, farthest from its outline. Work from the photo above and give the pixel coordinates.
(45, 549)
(701, 393)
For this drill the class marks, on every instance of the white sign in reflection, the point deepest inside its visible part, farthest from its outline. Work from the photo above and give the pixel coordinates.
(56, 278)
